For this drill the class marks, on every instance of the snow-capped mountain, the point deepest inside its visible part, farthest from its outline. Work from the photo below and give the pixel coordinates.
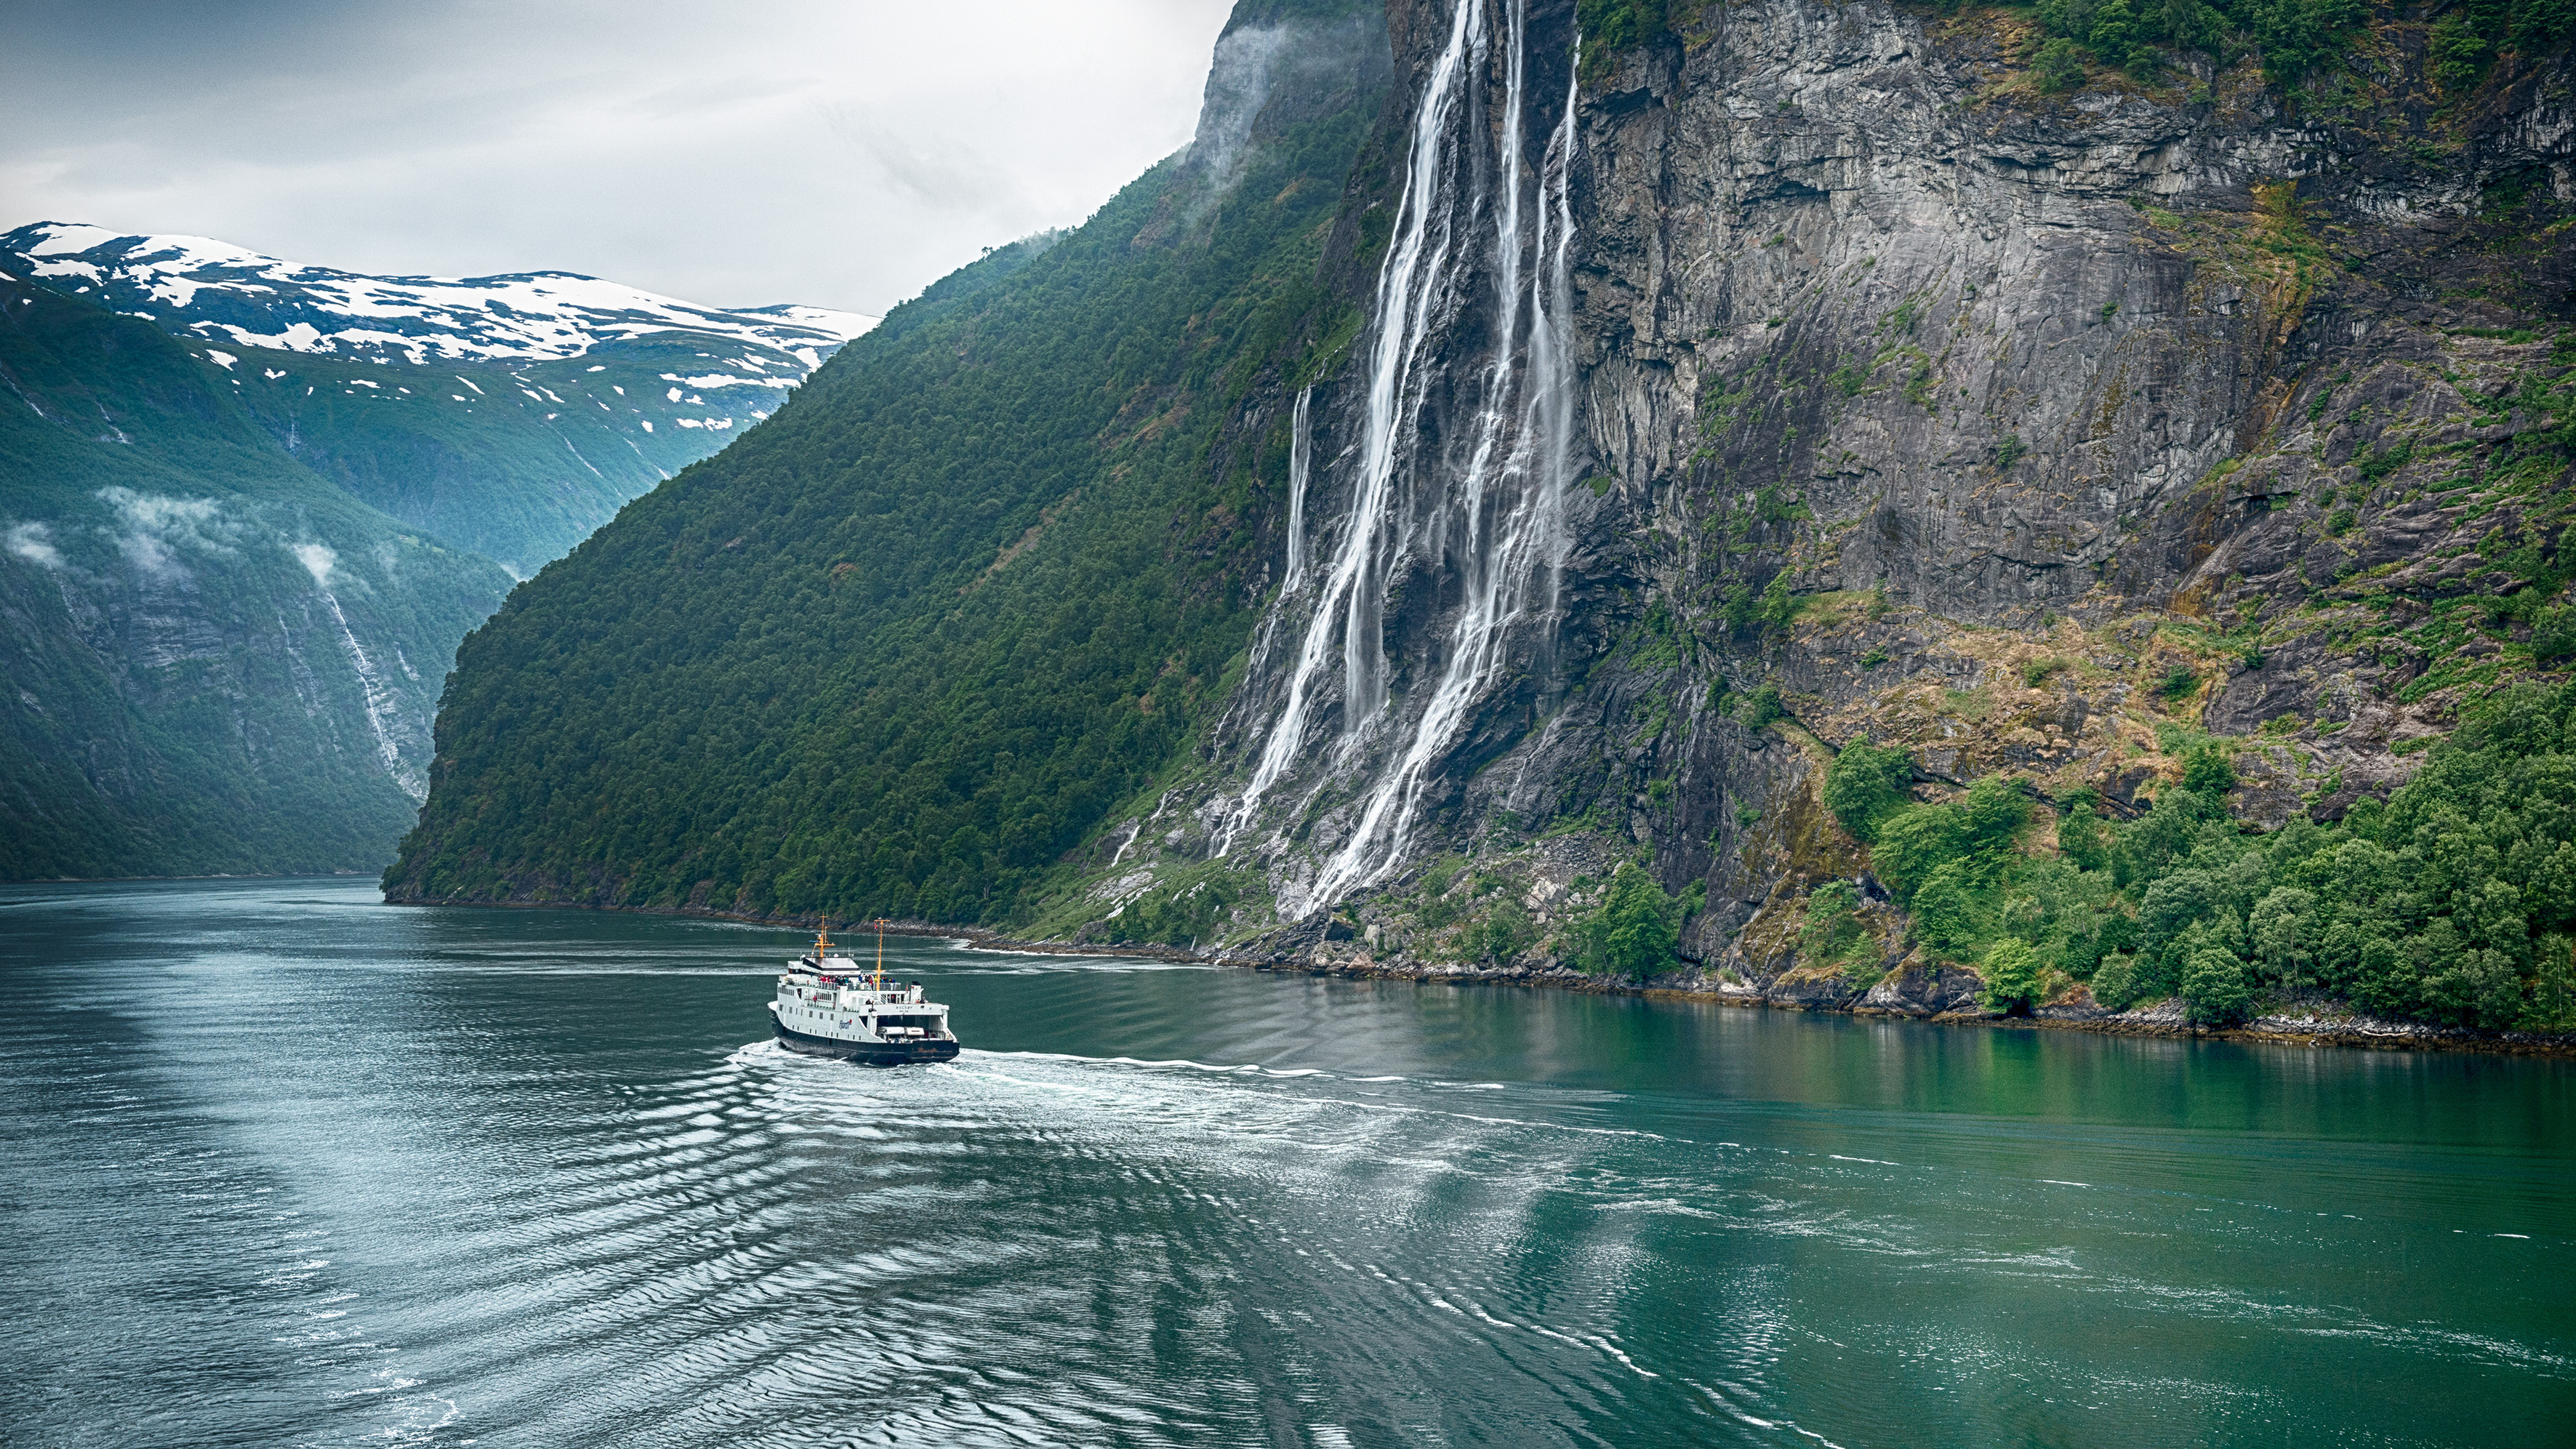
(509, 415)
(217, 292)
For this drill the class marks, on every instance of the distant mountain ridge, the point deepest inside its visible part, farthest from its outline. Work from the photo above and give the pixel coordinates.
(248, 507)
(218, 661)
(218, 292)
(507, 415)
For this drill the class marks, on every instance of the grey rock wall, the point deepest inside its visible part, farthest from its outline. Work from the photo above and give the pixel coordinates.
(2072, 420)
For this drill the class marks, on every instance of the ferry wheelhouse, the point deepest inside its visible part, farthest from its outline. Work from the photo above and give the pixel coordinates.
(828, 1007)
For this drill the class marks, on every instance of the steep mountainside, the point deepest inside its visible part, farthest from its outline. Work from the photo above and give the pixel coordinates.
(507, 415)
(1855, 504)
(217, 661)
(2169, 433)
(909, 640)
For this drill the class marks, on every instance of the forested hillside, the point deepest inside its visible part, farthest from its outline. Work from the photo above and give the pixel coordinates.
(217, 661)
(915, 636)
(2451, 901)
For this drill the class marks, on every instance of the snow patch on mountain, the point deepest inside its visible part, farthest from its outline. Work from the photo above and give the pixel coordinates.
(231, 293)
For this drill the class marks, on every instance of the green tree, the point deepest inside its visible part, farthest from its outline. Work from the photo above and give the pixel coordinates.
(2384, 981)
(1978, 832)
(2079, 837)
(2553, 632)
(2283, 927)
(2541, 26)
(2459, 54)
(1995, 811)
(2477, 988)
(2215, 988)
(1636, 929)
(2115, 985)
(1833, 930)
(2553, 989)
(1913, 843)
(1947, 909)
(2114, 32)
(2012, 978)
(1505, 932)
(2206, 772)
(2297, 36)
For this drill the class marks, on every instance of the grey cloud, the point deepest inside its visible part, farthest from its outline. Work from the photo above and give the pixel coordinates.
(843, 155)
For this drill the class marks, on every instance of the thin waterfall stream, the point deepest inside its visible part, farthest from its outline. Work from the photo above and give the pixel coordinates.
(1301, 452)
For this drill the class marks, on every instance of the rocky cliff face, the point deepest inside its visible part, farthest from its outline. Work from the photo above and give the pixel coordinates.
(1811, 350)
(217, 662)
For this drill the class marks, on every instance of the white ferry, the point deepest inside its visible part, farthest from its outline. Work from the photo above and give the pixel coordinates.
(827, 1007)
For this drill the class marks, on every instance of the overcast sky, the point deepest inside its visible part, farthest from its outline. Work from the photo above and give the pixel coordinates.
(843, 154)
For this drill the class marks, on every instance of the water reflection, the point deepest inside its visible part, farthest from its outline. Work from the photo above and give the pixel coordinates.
(309, 1169)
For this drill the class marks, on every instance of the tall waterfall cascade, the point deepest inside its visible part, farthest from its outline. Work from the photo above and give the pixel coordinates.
(1477, 492)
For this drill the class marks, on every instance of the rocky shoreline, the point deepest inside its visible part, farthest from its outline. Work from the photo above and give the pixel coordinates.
(1917, 991)
(1950, 997)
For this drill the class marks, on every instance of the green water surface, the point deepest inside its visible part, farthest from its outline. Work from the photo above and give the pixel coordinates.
(287, 1166)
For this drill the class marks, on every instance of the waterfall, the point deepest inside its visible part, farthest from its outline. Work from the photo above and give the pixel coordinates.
(383, 705)
(1498, 510)
(1300, 459)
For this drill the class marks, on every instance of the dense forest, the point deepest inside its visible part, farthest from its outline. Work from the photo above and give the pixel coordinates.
(904, 644)
(2451, 902)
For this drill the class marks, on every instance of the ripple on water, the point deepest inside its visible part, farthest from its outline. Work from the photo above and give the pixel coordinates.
(519, 1181)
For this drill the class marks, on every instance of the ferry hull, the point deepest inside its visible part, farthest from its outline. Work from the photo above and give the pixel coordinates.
(866, 1053)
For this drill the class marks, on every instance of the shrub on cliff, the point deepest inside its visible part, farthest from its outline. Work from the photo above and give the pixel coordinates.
(1635, 931)
(1833, 933)
(2207, 771)
(2058, 68)
(1867, 784)
(1977, 832)
(1762, 708)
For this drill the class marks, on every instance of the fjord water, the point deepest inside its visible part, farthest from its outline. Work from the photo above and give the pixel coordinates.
(287, 1166)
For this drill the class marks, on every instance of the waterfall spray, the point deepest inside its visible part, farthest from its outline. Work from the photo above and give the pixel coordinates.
(1499, 509)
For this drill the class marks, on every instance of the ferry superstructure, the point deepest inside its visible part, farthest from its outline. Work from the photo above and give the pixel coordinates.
(827, 1007)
